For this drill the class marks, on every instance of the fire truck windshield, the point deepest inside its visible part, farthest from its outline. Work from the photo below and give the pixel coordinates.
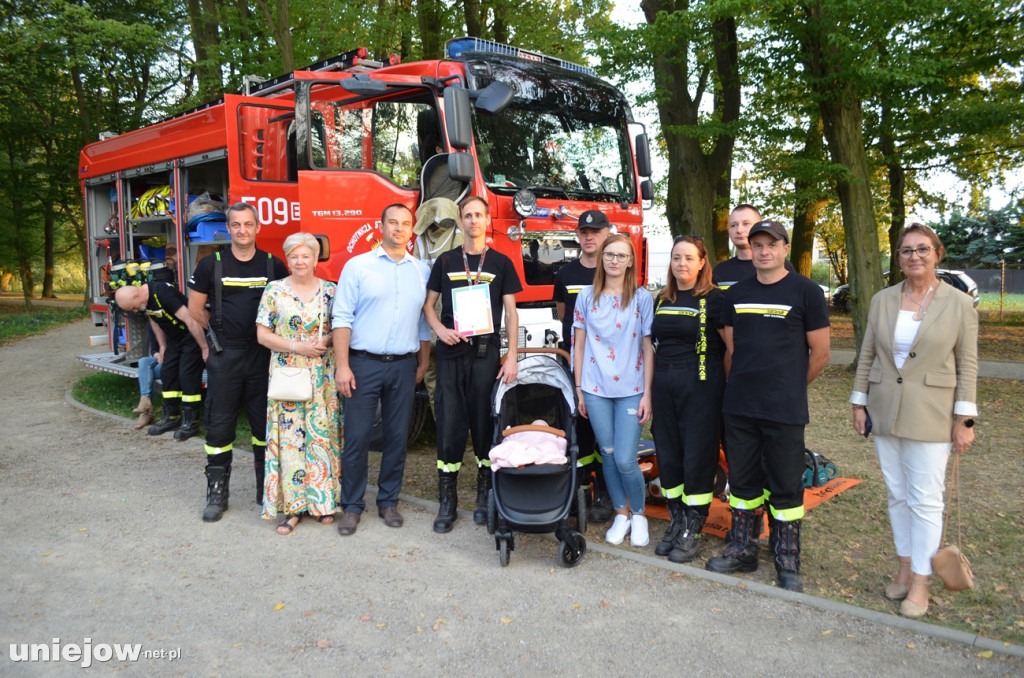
(564, 135)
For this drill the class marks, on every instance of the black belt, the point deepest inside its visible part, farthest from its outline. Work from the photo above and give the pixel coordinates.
(382, 357)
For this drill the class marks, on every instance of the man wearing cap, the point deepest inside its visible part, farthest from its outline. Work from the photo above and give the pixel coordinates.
(741, 265)
(591, 231)
(777, 336)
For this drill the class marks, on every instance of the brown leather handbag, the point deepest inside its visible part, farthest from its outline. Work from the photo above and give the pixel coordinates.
(950, 563)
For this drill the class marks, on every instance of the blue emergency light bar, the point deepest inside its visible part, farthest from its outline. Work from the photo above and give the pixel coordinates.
(458, 46)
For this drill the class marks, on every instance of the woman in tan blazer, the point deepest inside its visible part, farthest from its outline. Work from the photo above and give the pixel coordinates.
(916, 376)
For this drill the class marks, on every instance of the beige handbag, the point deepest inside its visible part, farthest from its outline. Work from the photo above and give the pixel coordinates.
(295, 384)
(950, 564)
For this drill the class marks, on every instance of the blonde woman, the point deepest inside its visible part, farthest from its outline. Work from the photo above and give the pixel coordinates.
(303, 438)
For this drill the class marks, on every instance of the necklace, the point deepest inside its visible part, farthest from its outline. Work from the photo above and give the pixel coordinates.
(919, 313)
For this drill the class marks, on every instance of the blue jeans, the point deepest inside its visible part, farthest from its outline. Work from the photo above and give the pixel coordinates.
(149, 371)
(617, 429)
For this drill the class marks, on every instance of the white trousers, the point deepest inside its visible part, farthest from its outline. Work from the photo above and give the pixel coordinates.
(915, 474)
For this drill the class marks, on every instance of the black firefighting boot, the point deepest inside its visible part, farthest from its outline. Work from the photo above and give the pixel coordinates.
(448, 502)
(217, 480)
(259, 465)
(171, 419)
(740, 552)
(786, 553)
(483, 487)
(687, 546)
(677, 512)
(189, 422)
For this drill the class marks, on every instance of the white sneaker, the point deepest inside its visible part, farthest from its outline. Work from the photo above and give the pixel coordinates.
(638, 535)
(619, 529)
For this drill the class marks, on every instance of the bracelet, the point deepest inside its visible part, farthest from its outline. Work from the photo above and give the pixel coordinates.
(859, 407)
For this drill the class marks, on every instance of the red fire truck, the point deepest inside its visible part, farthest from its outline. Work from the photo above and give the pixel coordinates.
(324, 149)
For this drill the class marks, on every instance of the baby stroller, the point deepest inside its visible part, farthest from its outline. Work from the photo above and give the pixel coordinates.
(537, 497)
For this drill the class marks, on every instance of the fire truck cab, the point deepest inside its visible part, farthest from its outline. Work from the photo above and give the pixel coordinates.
(326, 148)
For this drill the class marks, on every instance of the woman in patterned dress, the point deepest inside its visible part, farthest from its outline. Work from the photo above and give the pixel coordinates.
(613, 363)
(303, 438)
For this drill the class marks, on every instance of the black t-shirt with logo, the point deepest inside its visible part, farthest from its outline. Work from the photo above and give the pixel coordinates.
(449, 272)
(243, 284)
(676, 329)
(768, 379)
(569, 280)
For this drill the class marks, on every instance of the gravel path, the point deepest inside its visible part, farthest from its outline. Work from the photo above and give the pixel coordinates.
(104, 542)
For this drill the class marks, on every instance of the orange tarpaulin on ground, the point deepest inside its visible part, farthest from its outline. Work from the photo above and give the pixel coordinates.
(719, 518)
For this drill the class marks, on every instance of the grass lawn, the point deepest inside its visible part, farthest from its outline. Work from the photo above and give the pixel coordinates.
(16, 322)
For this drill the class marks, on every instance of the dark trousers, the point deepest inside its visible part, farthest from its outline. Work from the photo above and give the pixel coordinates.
(182, 369)
(686, 428)
(463, 396)
(236, 378)
(393, 385)
(765, 455)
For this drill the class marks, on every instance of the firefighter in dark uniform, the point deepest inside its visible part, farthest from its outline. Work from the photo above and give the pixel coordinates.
(689, 379)
(467, 366)
(591, 230)
(182, 350)
(232, 280)
(777, 337)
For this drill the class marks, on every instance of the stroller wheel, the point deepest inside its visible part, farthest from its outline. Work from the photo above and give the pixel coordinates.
(492, 512)
(572, 549)
(581, 509)
(503, 552)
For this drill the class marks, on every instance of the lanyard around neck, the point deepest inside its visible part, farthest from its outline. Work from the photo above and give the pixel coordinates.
(479, 268)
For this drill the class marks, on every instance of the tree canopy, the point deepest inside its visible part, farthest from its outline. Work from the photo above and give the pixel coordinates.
(830, 114)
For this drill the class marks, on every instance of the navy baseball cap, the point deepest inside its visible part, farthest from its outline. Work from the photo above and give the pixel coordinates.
(594, 219)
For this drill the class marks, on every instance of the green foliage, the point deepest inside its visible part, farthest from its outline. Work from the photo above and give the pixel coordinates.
(984, 239)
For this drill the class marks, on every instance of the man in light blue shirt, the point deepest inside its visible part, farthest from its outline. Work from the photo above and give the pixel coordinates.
(382, 346)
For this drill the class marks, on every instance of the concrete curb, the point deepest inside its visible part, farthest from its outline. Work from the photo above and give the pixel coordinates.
(940, 633)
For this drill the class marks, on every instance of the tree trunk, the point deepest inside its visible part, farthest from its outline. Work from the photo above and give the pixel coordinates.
(808, 207)
(695, 177)
(49, 224)
(841, 115)
(897, 192)
(202, 16)
(471, 9)
(719, 251)
(428, 16)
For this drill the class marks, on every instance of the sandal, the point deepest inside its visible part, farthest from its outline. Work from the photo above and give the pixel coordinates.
(325, 520)
(286, 526)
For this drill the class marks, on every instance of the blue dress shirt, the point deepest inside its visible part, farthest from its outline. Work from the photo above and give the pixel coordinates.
(381, 301)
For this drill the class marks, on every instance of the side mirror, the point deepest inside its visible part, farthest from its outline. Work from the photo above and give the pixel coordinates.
(457, 120)
(494, 98)
(643, 156)
(460, 167)
(361, 84)
(647, 193)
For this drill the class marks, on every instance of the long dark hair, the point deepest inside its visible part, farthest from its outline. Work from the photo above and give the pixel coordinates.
(629, 284)
(703, 285)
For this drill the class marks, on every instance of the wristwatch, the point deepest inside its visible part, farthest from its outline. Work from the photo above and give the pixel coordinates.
(968, 423)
